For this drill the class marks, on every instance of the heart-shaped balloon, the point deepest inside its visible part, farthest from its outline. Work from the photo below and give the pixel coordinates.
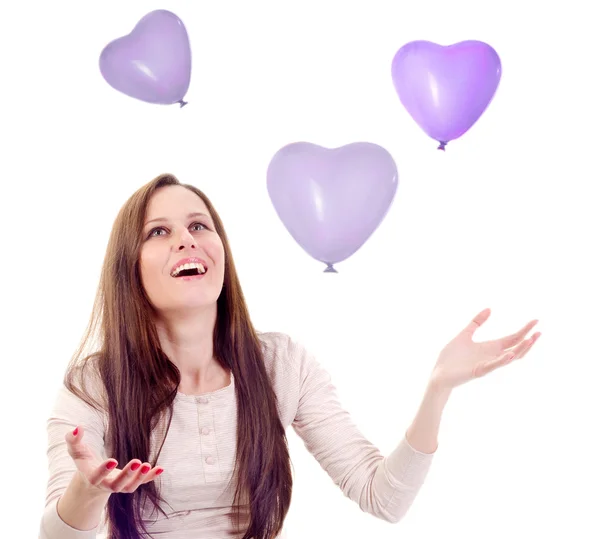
(332, 200)
(153, 62)
(446, 88)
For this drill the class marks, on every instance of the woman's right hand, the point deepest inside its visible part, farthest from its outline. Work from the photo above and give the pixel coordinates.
(104, 475)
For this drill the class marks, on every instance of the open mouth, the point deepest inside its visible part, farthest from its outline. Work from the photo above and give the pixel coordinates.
(189, 270)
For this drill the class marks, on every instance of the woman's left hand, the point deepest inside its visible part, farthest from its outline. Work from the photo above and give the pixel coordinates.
(462, 359)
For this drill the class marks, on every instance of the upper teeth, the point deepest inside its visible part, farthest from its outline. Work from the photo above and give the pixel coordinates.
(188, 266)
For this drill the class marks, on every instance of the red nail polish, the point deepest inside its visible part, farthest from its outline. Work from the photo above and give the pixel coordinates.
(76, 431)
(111, 465)
(145, 468)
(159, 471)
(135, 466)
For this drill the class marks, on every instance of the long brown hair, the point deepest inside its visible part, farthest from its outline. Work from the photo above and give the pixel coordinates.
(140, 382)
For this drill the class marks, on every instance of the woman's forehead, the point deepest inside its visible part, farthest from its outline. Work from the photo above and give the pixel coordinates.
(174, 202)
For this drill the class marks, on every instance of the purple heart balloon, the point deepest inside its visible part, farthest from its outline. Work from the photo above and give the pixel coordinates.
(446, 89)
(332, 200)
(153, 62)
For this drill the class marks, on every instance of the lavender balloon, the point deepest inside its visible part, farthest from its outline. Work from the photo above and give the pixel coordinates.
(332, 200)
(153, 62)
(446, 89)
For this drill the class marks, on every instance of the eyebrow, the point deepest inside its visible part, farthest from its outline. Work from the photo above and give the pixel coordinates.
(190, 216)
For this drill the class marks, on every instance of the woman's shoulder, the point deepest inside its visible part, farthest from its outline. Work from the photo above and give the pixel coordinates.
(85, 384)
(272, 340)
(281, 349)
(282, 358)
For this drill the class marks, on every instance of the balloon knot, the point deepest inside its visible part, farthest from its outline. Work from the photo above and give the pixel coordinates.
(182, 103)
(442, 146)
(330, 269)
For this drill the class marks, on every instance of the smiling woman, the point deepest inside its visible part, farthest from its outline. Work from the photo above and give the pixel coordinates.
(182, 257)
(182, 383)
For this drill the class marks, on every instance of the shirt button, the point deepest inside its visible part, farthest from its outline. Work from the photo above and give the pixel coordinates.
(203, 400)
(204, 431)
(210, 460)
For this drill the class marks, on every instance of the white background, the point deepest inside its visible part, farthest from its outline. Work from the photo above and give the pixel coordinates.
(506, 218)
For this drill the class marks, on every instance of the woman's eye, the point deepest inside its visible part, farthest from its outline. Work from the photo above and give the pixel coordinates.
(161, 231)
(155, 231)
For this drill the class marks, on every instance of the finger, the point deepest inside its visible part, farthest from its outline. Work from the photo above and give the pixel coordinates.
(75, 445)
(486, 367)
(153, 474)
(102, 471)
(477, 322)
(512, 340)
(74, 436)
(134, 480)
(530, 342)
(524, 345)
(144, 475)
(125, 476)
(520, 348)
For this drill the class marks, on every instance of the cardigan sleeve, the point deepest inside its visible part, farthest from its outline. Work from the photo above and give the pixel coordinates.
(68, 412)
(384, 487)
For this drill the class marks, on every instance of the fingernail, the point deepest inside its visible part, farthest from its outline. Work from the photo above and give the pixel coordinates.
(145, 468)
(76, 431)
(135, 466)
(159, 471)
(111, 465)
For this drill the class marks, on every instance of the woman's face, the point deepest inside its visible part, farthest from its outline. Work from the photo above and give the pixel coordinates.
(182, 261)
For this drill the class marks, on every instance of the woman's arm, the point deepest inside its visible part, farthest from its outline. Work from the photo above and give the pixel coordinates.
(384, 487)
(80, 507)
(423, 431)
(71, 511)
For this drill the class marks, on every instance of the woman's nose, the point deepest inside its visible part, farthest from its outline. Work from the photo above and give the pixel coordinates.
(186, 241)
